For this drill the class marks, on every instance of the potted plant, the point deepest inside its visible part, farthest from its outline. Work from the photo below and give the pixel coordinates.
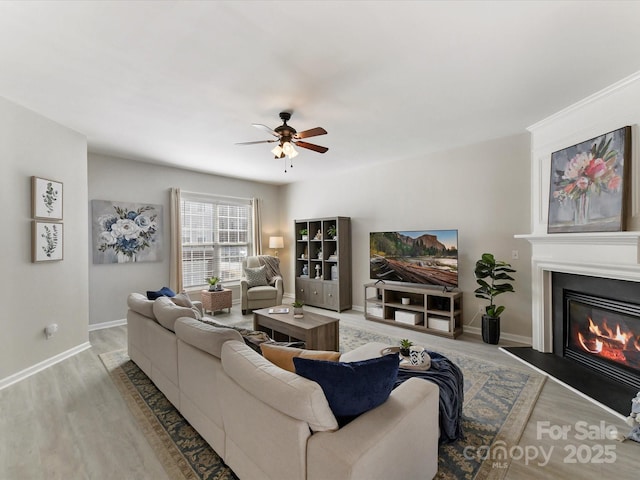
(497, 274)
(214, 284)
(332, 232)
(405, 344)
(297, 309)
(304, 234)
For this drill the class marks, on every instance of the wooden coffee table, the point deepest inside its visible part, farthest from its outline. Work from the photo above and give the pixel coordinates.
(318, 332)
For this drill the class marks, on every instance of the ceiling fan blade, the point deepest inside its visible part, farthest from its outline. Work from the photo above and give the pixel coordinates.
(312, 132)
(266, 129)
(253, 143)
(311, 146)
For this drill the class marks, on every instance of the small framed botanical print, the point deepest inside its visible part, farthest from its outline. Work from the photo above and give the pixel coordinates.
(46, 199)
(47, 241)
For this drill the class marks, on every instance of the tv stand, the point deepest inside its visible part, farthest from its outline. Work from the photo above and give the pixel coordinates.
(429, 310)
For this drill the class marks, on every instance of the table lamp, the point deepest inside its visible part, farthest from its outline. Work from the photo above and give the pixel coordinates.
(276, 243)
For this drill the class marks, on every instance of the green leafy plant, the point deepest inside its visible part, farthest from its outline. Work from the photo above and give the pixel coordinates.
(497, 272)
(303, 231)
(213, 280)
(297, 304)
(332, 231)
(406, 343)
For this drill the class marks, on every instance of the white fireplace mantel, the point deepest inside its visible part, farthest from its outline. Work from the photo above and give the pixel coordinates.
(613, 255)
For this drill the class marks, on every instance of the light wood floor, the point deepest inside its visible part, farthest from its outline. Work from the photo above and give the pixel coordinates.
(70, 422)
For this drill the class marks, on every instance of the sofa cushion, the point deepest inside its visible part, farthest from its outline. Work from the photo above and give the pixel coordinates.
(265, 292)
(163, 292)
(283, 391)
(204, 336)
(182, 300)
(256, 277)
(352, 388)
(141, 304)
(168, 312)
(283, 356)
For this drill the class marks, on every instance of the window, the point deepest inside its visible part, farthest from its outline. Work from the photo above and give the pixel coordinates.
(216, 238)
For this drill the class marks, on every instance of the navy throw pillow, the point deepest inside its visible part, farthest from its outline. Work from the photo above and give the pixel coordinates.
(163, 292)
(352, 388)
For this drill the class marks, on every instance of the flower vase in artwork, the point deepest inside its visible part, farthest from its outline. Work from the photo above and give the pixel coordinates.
(582, 210)
(124, 258)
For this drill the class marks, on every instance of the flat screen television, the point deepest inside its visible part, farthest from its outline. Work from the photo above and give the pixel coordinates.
(423, 257)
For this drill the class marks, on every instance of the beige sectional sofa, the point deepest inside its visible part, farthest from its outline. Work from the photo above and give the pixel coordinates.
(269, 423)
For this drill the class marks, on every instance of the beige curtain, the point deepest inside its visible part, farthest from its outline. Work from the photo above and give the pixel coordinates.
(175, 272)
(257, 227)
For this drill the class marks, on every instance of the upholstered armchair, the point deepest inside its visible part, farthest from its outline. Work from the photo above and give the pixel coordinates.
(261, 283)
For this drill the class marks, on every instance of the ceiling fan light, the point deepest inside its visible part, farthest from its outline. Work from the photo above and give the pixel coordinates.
(293, 153)
(277, 151)
(287, 148)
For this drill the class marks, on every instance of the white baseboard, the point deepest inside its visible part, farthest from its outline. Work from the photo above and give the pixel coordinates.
(113, 323)
(38, 367)
(503, 336)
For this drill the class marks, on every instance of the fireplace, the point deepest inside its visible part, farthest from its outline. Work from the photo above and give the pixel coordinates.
(596, 323)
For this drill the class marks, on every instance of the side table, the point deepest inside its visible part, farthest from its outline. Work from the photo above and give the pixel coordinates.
(214, 301)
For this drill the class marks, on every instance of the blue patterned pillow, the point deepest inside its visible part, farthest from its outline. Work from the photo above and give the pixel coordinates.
(256, 277)
(163, 292)
(352, 388)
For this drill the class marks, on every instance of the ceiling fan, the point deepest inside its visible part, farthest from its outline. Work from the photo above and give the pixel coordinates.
(287, 137)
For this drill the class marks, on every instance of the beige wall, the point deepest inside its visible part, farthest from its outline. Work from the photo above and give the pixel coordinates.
(482, 190)
(123, 180)
(37, 294)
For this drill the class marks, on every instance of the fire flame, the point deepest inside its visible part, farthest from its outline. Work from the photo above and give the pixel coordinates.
(608, 342)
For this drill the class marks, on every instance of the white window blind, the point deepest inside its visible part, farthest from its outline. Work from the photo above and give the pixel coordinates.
(216, 237)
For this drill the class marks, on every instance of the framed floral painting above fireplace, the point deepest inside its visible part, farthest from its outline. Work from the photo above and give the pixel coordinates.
(588, 188)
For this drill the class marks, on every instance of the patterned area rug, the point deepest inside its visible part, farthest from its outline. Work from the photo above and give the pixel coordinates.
(498, 402)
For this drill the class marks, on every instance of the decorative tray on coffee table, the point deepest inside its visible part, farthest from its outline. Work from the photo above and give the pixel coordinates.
(405, 364)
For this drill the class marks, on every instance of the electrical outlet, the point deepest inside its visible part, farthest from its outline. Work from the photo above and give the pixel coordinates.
(480, 309)
(515, 255)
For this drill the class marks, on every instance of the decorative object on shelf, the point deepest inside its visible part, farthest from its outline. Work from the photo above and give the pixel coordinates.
(47, 241)
(305, 270)
(633, 420)
(276, 243)
(332, 232)
(46, 199)
(298, 312)
(589, 184)
(406, 301)
(320, 254)
(334, 272)
(126, 232)
(498, 272)
(333, 257)
(405, 345)
(214, 284)
(304, 234)
(318, 235)
(318, 272)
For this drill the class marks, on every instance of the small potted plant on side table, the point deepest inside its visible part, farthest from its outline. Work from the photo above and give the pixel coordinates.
(297, 309)
(214, 284)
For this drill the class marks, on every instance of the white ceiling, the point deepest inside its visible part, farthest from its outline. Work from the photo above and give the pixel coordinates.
(179, 83)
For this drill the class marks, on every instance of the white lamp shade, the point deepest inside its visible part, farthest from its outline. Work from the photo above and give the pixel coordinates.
(276, 242)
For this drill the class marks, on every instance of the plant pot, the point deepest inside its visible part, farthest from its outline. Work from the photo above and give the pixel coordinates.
(404, 352)
(490, 329)
(298, 312)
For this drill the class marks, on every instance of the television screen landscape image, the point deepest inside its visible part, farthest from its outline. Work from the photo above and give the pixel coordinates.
(425, 257)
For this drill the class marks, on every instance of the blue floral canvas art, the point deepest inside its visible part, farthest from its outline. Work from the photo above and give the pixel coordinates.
(126, 232)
